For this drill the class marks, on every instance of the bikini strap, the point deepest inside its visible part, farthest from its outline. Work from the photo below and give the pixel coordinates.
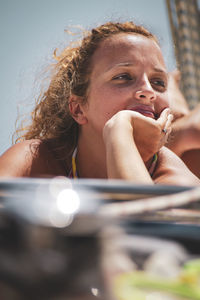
(73, 172)
(74, 169)
(153, 164)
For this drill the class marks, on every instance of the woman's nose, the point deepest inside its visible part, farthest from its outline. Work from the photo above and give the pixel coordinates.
(146, 92)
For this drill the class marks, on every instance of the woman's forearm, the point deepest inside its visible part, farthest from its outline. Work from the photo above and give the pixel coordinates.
(177, 141)
(183, 137)
(122, 156)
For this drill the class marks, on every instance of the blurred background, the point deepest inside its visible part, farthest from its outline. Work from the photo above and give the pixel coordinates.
(31, 30)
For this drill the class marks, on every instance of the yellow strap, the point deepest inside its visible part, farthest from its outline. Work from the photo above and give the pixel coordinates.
(74, 169)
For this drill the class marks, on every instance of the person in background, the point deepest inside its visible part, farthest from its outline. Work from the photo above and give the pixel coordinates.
(185, 135)
(105, 114)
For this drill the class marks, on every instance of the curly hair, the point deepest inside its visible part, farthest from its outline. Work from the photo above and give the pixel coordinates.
(51, 119)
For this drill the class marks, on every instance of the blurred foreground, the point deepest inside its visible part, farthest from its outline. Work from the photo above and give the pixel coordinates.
(96, 239)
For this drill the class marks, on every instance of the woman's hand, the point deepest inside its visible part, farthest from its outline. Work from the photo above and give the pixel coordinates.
(123, 160)
(186, 124)
(147, 133)
(186, 133)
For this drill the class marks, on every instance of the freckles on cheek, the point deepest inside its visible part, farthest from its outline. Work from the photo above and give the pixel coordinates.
(109, 115)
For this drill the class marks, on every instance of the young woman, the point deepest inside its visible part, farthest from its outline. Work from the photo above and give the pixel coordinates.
(104, 115)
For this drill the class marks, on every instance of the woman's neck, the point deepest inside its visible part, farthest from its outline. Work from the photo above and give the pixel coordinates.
(91, 158)
(148, 163)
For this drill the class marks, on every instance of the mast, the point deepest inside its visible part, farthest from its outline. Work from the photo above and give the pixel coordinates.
(184, 18)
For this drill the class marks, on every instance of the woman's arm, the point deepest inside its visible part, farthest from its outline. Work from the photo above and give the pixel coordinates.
(122, 156)
(186, 133)
(186, 124)
(131, 140)
(172, 170)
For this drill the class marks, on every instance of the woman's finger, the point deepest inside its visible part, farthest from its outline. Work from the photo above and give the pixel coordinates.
(168, 124)
(168, 128)
(163, 117)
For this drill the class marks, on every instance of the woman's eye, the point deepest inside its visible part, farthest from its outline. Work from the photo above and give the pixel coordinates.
(122, 77)
(159, 82)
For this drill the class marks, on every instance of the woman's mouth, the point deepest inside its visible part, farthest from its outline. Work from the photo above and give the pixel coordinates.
(145, 111)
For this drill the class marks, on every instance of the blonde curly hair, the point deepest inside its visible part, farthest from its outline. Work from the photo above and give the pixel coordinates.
(51, 119)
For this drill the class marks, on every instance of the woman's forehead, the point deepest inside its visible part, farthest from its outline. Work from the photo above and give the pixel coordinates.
(125, 37)
(125, 47)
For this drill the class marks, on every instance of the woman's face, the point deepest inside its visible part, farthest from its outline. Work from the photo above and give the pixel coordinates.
(128, 73)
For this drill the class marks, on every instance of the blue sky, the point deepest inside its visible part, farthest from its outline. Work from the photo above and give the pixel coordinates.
(31, 30)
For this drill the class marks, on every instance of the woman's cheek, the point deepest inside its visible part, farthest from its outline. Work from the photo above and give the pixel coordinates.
(161, 104)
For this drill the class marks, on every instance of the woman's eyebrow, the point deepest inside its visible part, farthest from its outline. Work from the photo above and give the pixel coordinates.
(124, 64)
(130, 64)
(160, 70)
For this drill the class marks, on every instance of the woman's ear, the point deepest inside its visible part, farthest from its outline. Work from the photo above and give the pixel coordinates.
(76, 110)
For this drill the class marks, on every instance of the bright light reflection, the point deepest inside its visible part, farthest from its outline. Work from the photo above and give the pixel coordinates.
(68, 201)
(57, 184)
(95, 291)
(59, 222)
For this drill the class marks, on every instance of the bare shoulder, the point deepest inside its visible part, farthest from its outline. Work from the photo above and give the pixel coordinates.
(172, 170)
(17, 160)
(30, 158)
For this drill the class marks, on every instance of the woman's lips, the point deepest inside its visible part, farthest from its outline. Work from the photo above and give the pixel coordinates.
(145, 111)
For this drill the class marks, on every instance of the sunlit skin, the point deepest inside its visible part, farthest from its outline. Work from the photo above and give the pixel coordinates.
(128, 74)
(185, 127)
(121, 121)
